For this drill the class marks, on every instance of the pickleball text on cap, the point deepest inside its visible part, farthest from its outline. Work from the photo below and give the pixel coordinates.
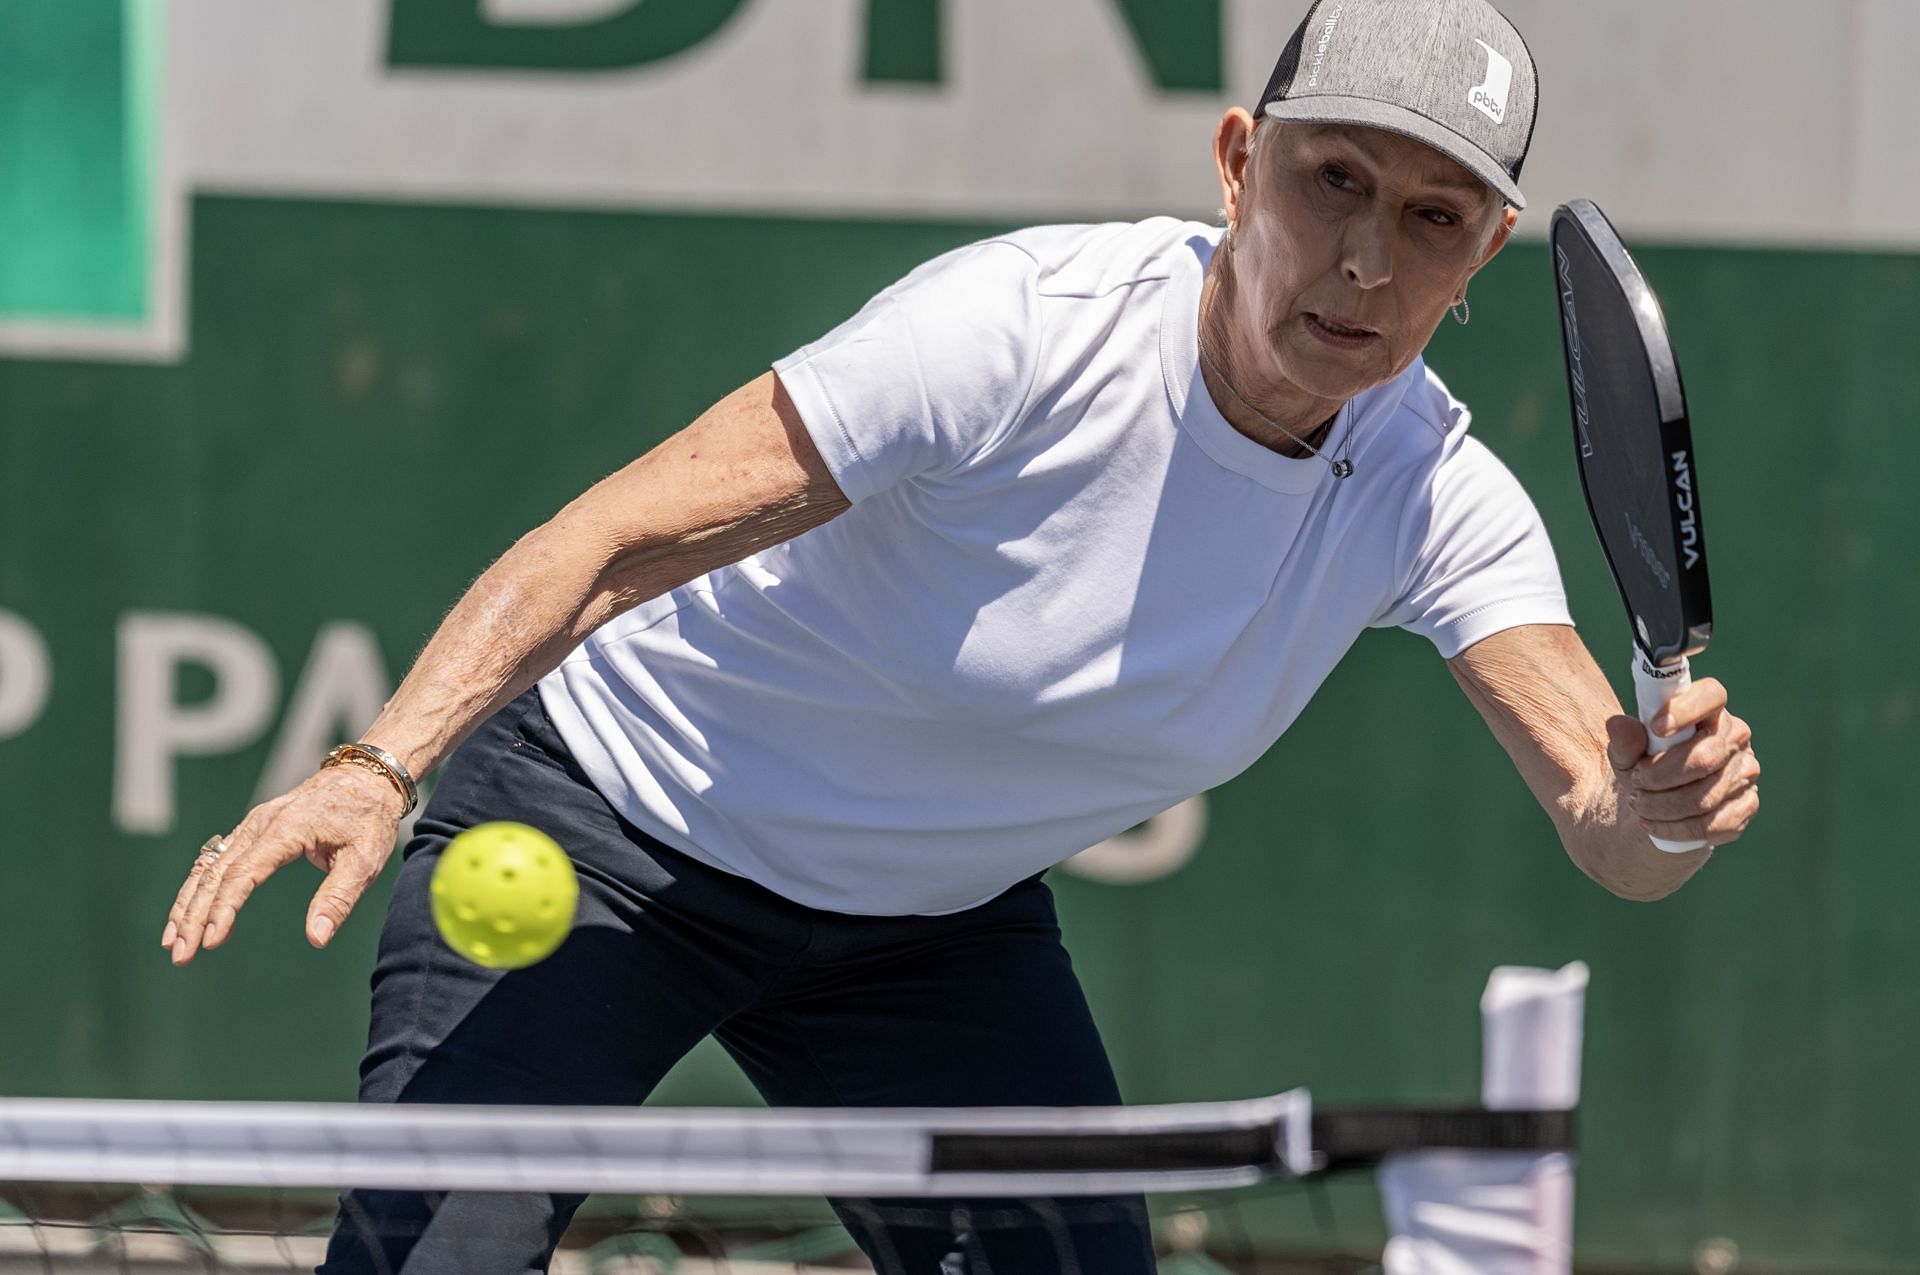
(1453, 74)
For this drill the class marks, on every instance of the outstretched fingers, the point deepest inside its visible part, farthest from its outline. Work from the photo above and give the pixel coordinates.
(225, 886)
(341, 818)
(204, 876)
(236, 887)
(202, 863)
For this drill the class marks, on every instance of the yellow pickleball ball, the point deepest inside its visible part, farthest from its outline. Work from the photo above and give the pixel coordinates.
(504, 895)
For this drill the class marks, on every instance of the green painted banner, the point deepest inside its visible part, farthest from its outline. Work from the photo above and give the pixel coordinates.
(1179, 39)
(76, 125)
(211, 571)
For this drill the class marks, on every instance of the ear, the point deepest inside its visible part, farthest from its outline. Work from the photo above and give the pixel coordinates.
(1230, 142)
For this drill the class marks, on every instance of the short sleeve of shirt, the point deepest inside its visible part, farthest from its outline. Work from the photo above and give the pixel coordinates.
(1478, 558)
(927, 375)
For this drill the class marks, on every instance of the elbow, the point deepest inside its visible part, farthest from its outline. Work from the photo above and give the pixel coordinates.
(1641, 892)
(1630, 867)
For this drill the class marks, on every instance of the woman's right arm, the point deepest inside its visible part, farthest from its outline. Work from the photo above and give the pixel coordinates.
(742, 477)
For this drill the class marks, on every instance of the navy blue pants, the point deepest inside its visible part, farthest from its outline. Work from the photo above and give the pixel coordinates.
(823, 1009)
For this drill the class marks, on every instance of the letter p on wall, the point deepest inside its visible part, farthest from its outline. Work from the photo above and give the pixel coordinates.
(153, 729)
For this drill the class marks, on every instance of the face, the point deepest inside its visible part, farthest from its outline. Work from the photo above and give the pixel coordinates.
(1349, 244)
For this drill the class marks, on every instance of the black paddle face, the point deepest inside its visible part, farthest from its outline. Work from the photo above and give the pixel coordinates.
(1631, 434)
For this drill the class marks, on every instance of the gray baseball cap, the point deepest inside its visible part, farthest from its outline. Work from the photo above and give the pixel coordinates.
(1453, 74)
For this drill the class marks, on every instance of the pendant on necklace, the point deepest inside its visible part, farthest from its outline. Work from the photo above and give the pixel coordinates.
(1343, 468)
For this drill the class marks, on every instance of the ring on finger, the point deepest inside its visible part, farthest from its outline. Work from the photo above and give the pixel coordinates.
(211, 849)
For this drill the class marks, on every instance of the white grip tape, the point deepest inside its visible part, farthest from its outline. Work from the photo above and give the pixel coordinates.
(1653, 686)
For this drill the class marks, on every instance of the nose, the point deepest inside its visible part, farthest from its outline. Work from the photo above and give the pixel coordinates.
(1367, 253)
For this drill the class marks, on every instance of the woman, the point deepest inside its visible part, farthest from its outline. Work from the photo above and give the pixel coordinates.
(1061, 529)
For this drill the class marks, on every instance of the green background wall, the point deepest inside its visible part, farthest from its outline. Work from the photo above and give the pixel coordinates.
(76, 116)
(379, 398)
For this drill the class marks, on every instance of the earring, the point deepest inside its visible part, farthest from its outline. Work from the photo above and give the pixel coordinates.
(1462, 312)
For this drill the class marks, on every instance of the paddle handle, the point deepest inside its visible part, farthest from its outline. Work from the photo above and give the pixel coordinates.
(1654, 686)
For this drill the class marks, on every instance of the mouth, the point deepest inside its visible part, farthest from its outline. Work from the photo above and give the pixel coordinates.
(1341, 332)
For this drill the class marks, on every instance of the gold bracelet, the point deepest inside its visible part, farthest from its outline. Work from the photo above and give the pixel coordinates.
(380, 760)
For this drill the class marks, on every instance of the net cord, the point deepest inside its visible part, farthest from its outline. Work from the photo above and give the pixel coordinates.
(912, 1152)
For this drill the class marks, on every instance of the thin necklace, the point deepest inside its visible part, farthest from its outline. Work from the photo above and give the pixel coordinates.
(1341, 466)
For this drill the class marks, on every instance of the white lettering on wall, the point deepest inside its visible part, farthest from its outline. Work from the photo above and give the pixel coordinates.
(152, 730)
(341, 690)
(26, 675)
(552, 12)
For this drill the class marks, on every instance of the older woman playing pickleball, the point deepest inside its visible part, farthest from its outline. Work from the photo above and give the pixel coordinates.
(1061, 529)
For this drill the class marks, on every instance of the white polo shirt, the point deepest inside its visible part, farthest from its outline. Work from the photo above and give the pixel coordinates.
(1067, 596)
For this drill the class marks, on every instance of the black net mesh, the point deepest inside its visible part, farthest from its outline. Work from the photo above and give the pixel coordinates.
(150, 1230)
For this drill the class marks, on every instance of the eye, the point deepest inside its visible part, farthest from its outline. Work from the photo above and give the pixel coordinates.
(1337, 177)
(1438, 217)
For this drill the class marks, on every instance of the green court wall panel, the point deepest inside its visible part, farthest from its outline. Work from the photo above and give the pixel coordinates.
(378, 399)
(75, 118)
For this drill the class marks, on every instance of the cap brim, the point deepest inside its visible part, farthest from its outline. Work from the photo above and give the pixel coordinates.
(1327, 108)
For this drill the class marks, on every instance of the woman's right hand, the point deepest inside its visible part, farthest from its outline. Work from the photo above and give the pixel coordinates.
(343, 818)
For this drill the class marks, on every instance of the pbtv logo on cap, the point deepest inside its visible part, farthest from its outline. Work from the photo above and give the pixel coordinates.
(1490, 98)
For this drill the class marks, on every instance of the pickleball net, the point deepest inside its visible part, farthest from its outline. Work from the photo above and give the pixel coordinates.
(135, 1186)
